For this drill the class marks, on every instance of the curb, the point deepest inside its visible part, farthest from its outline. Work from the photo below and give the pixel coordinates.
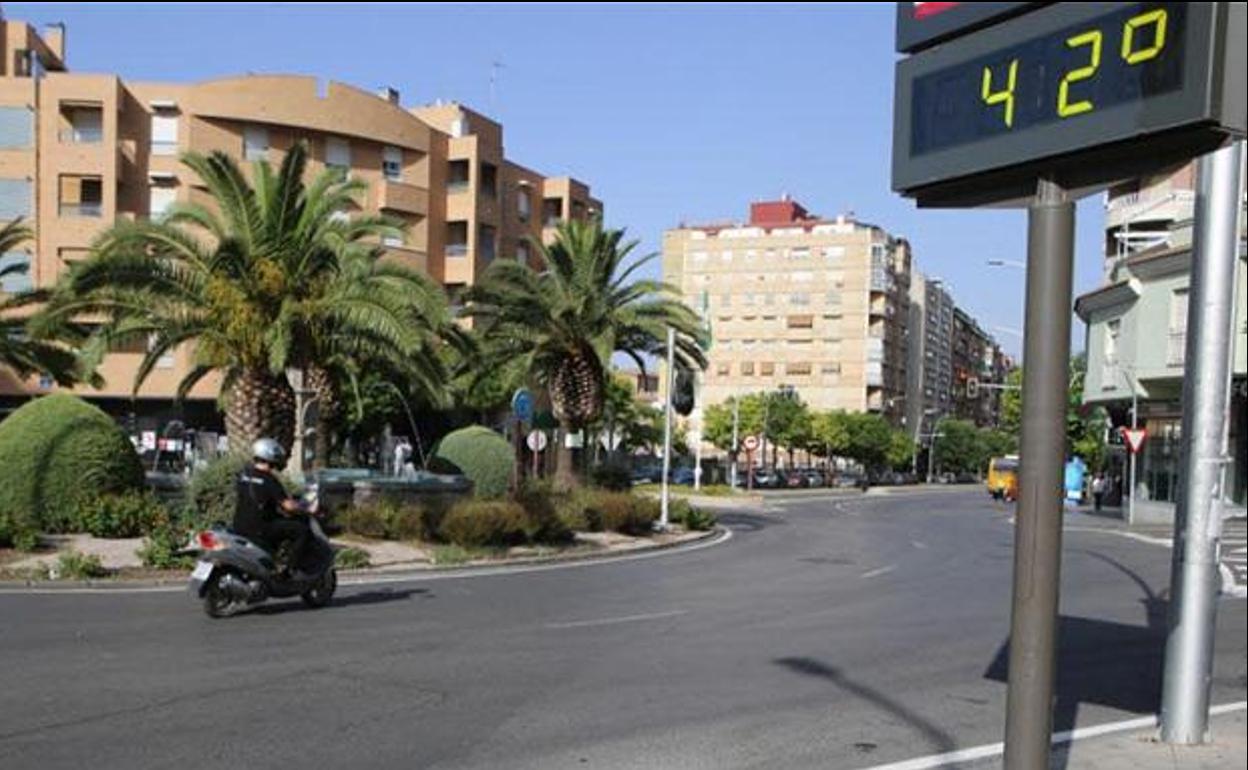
(364, 576)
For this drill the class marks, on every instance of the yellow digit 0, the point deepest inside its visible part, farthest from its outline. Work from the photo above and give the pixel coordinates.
(1065, 107)
(991, 97)
(1158, 19)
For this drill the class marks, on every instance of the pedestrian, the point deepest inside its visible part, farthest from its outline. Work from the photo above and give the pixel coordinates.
(1098, 491)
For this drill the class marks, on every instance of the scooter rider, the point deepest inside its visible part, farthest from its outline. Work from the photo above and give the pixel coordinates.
(265, 512)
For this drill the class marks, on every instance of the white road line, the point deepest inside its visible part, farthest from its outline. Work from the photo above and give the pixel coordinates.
(880, 571)
(615, 621)
(1078, 734)
(1162, 541)
(459, 574)
(918, 544)
(1230, 587)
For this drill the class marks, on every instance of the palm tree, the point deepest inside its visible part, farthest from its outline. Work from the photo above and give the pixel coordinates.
(250, 285)
(567, 320)
(18, 351)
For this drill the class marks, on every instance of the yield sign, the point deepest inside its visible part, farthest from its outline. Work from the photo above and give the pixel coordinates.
(1134, 438)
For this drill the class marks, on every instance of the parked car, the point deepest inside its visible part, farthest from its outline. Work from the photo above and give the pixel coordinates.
(765, 479)
(682, 475)
(814, 477)
(647, 474)
(792, 479)
(844, 480)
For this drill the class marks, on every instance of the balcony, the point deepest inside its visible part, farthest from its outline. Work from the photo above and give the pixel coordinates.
(456, 250)
(399, 196)
(1176, 348)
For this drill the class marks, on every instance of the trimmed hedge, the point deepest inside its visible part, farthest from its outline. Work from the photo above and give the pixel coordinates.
(483, 456)
(57, 452)
(386, 520)
(478, 523)
(213, 492)
(126, 515)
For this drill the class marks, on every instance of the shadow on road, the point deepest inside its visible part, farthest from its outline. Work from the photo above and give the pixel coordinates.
(1102, 663)
(746, 522)
(361, 599)
(940, 741)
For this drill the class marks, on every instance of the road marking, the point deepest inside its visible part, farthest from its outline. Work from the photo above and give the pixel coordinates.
(456, 574)
(880, 571)
(1165, 542)
(1082, 733)
(616, 621)
(918, 544)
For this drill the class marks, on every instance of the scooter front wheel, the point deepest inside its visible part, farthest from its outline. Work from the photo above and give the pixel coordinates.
(319, 595)
(218, 603)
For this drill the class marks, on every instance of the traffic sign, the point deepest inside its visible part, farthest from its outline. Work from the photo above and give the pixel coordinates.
(522, 404)
(536, 441)
(750, 443)
(1134, 438)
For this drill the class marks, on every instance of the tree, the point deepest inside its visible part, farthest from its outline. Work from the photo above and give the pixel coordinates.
(998, 443)
(1012, 404)
(18, 351)
(900, 454)
(566, 319)
(787, 422)
(1085, 425)
(870, 436)
(831, 433)
(275, 275)
(717, 420)
(959, 448)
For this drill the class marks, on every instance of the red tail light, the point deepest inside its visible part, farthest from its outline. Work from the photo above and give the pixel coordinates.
(209, 541)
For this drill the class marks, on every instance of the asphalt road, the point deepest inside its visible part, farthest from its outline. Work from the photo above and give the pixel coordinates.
(834, 633)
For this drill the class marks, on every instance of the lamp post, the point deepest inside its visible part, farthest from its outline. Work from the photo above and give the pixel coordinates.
(1135, 424)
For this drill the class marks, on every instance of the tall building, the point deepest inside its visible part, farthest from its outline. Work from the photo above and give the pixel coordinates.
(974, 358)
(80, 152)
(1137, 334)
(798, 301)
(930, 392)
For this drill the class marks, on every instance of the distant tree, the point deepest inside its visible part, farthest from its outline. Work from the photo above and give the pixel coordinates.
(959, 447)
(900, 453)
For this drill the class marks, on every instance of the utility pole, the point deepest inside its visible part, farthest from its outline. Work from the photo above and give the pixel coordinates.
(736, 422)
(669, 375)
(1038, 530)
(1194, 578)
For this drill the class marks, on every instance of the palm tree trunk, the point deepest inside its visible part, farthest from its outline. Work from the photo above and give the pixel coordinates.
(259, 405)
(565, 473)
(322, 384)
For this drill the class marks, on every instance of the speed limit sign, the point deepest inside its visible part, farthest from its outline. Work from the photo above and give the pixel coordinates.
(750, 443)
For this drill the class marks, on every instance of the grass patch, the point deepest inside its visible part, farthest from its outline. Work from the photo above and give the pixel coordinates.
(351, 557)
(452, 555)
(708, 490)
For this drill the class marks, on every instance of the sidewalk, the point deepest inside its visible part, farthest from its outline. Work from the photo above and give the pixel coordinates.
(1140, 750)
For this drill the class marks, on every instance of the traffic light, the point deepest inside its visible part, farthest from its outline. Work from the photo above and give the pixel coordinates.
(682, 393)
(972, 387)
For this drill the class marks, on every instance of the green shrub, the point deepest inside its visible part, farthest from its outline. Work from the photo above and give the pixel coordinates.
(57, 451)
(477, 523)
(213, 492)
(126, 515)
(571, 509)
(77, 566)
(164, 539)
(483, 456)
(615, 477)
(15, 534)
(540, 504)
(691, 518)
(386, 520)
(621, 512)
(351, 558)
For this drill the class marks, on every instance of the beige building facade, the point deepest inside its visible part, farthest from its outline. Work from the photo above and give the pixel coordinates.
(797, 301)
(79, 152)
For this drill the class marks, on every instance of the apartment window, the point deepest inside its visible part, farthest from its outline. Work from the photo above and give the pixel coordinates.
(82, 123)
(81, 196)
(160, 198)
(486, 242)
(725, 300)
(699, 256)
(747, 368)
(830, 367)
(833, 298)
(457, 177)
(17, 280)
(17, 128)
(749, 253)
(748, 344)
(72, 255)
(726, 256)
(489, 180)
(797, 367)
(802, 277)
(767, 299)
(15, 198)
(392, 163)
(523, 252)
(457, 239)
(524, 205)
(833, 252)
(552, 211)
(723, 370)
(391, 240)
(255, 143)
(338, 153)
(1109, 367)
(799, 298)
(748, 299)
(164, 132)
(767, 368)
(800, 321)
(799, 253)
(1176, 347)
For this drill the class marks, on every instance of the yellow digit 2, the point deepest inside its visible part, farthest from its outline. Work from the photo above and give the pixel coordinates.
(1158, 19)
(1065, 107)
(996, 97)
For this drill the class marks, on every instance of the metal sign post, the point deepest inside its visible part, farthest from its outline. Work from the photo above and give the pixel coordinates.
(1038, 534)
(1194, 577)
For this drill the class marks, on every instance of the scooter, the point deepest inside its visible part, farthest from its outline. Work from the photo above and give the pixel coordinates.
(234, 573)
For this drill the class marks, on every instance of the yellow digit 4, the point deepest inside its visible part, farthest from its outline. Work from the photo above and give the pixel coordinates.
(1158, 19)
(996, 97)
(1065, 107)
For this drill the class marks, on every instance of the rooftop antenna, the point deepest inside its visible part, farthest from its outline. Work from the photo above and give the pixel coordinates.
(495, 66)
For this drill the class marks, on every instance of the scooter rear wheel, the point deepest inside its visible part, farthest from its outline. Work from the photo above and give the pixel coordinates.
(217, 600)
(320, 594)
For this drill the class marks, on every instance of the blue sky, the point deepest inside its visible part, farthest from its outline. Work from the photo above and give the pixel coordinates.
(670, 113)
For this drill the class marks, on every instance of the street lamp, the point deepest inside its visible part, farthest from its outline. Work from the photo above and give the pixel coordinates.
(1135, 424)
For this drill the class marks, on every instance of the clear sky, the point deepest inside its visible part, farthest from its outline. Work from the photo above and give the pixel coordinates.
(670, 113)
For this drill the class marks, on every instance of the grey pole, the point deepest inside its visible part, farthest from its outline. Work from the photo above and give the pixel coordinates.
(667, 426)
(1038, 534)
(736, 420)
(1194, 577)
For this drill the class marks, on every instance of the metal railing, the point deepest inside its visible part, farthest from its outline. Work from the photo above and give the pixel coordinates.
(456, 250)
(1176, 348)
(82, 136)
(81, 209)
